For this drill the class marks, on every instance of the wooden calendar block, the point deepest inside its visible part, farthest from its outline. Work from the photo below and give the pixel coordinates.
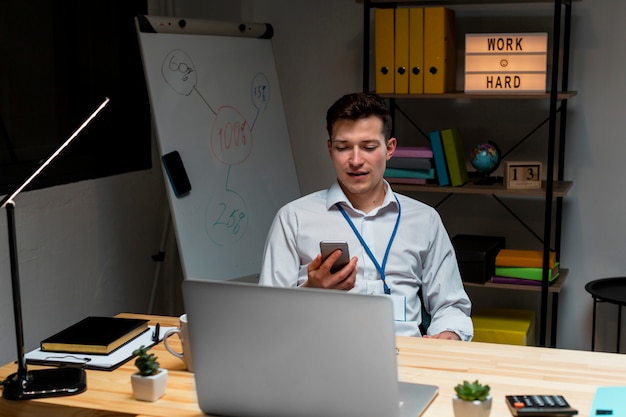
(522, 174)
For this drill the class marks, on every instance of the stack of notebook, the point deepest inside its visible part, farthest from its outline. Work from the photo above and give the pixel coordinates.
(525, 267)
(410, 165)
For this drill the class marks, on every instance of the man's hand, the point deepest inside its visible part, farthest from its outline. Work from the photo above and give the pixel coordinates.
(319, 275)
(447, 335)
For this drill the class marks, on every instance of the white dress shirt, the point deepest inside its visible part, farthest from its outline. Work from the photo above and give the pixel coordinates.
(421, 255)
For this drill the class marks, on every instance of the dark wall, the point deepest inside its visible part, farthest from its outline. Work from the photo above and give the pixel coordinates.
(60, 60)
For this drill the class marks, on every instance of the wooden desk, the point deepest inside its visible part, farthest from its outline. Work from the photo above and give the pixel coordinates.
(507, 369)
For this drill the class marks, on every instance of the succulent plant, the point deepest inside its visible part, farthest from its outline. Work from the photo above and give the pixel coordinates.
(146, 362)
(472, 391)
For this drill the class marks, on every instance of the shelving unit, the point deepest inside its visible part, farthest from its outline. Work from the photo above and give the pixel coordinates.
(559, 189)
(554, 187)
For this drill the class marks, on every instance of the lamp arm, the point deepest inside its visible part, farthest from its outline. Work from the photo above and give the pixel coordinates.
(15, 284)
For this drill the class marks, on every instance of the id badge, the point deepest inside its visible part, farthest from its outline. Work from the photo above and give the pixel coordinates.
(399, 307)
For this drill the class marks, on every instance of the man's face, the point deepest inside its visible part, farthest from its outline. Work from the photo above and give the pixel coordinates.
(359, 154)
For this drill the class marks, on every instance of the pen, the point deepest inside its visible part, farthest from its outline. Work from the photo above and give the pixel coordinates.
(155, 335)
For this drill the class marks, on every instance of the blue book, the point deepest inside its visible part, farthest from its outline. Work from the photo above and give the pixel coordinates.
(439, 157)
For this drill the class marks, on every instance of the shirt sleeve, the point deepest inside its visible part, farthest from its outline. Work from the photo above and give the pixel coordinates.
(281, 264)
(442, 289)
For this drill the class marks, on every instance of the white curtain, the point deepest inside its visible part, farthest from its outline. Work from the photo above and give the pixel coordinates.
(162, 7)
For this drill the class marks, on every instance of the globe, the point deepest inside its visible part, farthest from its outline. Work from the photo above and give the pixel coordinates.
(485, 158)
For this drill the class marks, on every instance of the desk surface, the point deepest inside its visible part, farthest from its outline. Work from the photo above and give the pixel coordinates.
(507, 369)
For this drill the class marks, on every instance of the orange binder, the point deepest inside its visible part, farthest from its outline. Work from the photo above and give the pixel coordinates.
(402, 51)
(384, 50)
(416, 50)
(439, 50)
(523, 258)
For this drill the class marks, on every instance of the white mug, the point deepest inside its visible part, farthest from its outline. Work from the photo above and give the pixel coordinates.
(183, 334)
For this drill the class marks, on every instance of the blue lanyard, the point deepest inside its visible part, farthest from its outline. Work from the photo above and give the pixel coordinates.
(379, 268)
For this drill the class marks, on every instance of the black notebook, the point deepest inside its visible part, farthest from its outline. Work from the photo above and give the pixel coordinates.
(95, 335)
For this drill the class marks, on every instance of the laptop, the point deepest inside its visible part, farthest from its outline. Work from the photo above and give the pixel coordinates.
(283, 352)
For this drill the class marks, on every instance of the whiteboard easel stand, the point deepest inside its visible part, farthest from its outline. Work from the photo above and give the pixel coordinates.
(159, 258)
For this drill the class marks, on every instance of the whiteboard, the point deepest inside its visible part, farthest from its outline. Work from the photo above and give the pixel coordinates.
(216, 100)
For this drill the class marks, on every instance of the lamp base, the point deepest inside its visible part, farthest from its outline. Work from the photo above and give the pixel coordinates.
(43, 383)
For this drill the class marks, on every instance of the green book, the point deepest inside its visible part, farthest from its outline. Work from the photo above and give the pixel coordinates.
(455, 157)
(535, 274)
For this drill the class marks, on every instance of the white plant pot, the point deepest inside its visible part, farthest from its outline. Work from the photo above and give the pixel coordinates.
(149, 388)
(464, 408)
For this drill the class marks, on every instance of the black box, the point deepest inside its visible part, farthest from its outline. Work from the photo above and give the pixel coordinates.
(476, 256)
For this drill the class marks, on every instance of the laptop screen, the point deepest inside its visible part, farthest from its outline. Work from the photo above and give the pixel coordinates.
(265, 351)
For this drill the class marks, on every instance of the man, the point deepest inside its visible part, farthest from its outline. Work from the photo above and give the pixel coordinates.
(402, 248)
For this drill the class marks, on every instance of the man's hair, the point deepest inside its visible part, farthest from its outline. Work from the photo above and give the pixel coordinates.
(357, 106)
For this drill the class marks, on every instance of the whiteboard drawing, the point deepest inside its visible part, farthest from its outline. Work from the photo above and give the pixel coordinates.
(214, 100)
(231, 141)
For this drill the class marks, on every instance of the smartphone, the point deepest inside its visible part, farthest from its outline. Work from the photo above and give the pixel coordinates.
(329, 246)
(176, 173)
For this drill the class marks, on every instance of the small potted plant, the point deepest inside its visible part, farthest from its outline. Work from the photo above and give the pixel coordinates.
(150, 381)
(472, 399)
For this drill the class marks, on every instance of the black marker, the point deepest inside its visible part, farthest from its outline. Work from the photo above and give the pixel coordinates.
(155, 335)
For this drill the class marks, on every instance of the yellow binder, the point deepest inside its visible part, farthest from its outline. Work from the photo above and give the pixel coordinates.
(384, 50)
(402, 51)
(416, 50)
(439, 50)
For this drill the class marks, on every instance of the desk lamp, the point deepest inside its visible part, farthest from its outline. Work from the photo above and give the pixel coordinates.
(24, 384)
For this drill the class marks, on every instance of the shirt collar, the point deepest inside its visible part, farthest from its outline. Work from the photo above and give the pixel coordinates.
(336, 195)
